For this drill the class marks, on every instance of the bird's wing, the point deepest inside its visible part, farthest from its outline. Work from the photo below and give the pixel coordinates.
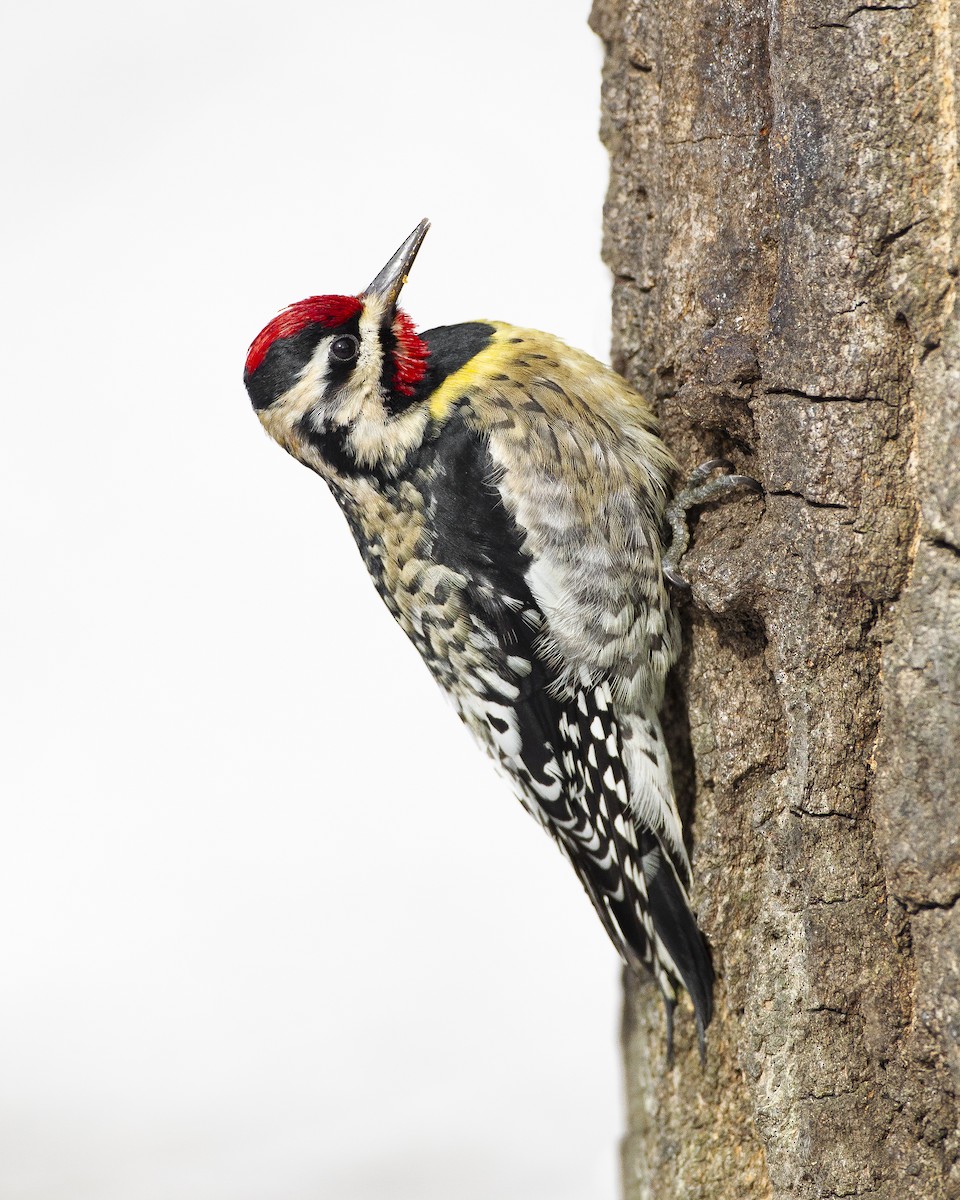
(561, 743)
(585, 480)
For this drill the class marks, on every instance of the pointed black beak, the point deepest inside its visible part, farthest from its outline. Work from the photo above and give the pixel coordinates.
(391, 279)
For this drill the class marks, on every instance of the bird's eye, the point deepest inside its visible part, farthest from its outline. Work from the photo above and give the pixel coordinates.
(345, 349)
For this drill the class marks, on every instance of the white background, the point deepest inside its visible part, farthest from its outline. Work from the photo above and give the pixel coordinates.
(272, 929)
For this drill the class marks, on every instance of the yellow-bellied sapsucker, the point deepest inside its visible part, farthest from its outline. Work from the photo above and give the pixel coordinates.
(509, 496)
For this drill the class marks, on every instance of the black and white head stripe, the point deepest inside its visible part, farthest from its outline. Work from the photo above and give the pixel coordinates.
(288, 356)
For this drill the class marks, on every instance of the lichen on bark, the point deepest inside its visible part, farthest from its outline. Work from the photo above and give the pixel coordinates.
(782, 227)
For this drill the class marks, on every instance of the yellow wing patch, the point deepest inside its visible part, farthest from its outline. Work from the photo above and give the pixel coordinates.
(490, 361)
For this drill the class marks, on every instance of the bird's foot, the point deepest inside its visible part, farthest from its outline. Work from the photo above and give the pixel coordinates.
(701, 488)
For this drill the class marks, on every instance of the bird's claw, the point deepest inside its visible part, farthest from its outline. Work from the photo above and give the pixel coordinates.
(672, 575)
(700, 488)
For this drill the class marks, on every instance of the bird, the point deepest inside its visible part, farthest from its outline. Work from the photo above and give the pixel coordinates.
(516, 508)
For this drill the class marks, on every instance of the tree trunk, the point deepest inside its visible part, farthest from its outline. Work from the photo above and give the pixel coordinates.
(781, 223)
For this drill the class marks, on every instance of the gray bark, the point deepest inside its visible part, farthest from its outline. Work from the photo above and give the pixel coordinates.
(782, 227)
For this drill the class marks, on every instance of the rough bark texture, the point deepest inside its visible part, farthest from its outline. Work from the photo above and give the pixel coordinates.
(781, 224)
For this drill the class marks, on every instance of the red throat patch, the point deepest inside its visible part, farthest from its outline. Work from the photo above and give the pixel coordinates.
(328, 310)
(409, 357)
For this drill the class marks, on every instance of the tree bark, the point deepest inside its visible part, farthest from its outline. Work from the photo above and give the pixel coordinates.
(782, 227)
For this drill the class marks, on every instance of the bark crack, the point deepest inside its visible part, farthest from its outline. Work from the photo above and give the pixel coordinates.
(822, 398)
(940, 543)
(888, 239)
(916, 906)
(808, 500)
(710, 137)
(862, 8)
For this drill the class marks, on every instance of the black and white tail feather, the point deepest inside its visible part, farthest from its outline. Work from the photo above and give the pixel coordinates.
(636, 886)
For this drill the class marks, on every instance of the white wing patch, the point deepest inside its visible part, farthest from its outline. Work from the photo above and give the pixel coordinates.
(652, 800)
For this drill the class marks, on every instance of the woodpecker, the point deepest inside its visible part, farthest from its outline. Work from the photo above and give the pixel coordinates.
(510, 497)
